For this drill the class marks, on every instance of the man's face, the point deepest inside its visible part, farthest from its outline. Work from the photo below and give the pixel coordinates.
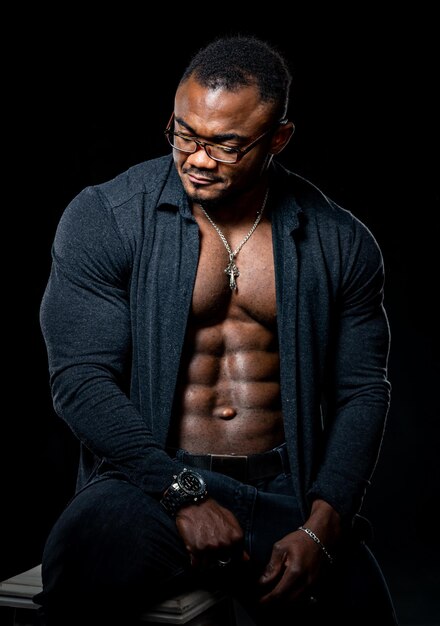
(233, 119)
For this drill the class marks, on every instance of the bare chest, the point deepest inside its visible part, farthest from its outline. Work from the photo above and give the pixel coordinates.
(253, 272)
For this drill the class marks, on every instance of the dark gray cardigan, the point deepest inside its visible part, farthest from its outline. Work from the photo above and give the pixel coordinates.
(115, 311)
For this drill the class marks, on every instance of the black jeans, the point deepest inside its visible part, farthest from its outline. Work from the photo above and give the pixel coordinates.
(114, 552)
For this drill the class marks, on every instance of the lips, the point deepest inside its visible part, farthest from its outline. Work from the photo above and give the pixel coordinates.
(197, 179)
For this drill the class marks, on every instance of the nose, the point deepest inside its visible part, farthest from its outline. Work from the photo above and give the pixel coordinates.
(201, 160)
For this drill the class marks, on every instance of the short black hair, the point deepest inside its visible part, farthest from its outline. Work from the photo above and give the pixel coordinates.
(237, 61)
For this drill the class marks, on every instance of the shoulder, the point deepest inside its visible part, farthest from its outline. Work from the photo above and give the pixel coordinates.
(309, 199)
(319, 213)
(112, 215)
(138, 181)
(119, 200)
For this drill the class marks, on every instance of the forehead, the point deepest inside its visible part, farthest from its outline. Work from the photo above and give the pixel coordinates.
(216, 111)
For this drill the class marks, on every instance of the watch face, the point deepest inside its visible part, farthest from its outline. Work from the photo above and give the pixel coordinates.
(191, 482)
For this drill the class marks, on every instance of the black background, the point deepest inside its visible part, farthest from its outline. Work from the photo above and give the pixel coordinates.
(86, 98)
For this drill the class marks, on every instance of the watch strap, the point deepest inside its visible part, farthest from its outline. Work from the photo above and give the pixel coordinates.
(175, 497)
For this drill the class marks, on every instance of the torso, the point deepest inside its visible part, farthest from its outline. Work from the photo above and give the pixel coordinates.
(228, 396)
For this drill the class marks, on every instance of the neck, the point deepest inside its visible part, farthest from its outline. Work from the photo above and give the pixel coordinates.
(236, 209)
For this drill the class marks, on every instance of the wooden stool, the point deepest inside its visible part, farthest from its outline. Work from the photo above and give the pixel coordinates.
(195, 608)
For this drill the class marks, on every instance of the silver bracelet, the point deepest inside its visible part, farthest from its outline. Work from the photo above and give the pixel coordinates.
(318, 542)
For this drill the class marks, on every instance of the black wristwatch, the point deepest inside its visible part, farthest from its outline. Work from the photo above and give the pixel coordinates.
(188, 487)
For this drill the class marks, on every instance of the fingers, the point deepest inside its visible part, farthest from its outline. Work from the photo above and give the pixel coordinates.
(276, 566)
(223, 558)
(285, 591)
(232, 555)
(213, 536)
(286, 576)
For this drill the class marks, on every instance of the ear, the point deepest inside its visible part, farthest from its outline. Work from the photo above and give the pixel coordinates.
(281, 137)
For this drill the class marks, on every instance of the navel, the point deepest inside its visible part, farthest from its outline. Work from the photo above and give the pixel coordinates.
(225, 413)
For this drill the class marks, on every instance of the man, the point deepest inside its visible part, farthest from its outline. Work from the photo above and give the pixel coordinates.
(218, 344)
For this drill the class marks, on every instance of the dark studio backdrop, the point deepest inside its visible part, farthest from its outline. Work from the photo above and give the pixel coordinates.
(89, 100)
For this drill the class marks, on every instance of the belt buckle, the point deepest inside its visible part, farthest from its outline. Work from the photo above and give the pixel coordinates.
(232, 465)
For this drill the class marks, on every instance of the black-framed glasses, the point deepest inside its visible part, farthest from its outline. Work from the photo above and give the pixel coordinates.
(215, 151)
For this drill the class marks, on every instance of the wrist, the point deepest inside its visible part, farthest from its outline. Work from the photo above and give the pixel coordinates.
(325, 521)
(188, 487)
(318, 542)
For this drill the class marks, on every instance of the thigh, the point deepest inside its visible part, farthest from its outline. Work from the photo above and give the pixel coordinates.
(112, 540)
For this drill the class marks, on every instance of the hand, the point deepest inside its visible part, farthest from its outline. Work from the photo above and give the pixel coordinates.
(211, 534)
(296, 560)
(294, 567)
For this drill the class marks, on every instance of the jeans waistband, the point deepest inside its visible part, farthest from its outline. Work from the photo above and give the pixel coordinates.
(241, 467)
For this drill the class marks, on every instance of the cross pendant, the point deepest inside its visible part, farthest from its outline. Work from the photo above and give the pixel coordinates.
(232, 271)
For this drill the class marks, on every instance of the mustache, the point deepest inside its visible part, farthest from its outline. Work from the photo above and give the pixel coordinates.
(208, 175)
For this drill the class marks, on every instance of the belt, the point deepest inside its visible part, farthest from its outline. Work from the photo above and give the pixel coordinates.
(241, 467)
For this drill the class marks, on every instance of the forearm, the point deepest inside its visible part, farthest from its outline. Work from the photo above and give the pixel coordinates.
(105, 420)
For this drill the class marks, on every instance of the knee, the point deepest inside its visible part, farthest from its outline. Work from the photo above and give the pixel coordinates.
(106, 539)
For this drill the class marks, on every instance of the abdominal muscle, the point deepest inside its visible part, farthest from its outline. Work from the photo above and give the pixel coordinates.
(228, 399)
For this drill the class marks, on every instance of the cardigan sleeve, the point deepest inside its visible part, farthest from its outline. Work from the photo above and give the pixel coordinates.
(357, 389)
(85, 321)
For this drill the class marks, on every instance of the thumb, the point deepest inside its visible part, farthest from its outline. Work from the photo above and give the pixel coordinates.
(271, 570)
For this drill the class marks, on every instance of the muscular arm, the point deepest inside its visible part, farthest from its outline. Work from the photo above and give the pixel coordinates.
(357, 387)
(85, 320)
(357, 394)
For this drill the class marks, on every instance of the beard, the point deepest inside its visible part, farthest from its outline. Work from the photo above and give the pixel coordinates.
(199, 194)
(228, 191)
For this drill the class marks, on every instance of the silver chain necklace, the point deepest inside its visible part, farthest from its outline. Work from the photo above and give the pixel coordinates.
(232, 270)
